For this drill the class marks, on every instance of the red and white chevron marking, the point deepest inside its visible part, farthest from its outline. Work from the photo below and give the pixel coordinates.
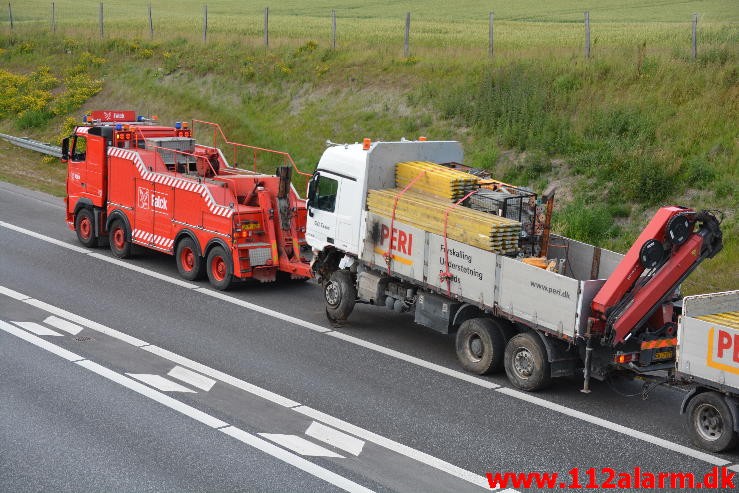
(172, 181)
(141, 236)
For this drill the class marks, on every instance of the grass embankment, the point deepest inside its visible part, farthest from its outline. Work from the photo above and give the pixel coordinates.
(637, 126)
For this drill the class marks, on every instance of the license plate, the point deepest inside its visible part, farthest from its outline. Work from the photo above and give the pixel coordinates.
(668, 354)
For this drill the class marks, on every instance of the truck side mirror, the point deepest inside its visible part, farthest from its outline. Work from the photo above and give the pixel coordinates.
(65, 150)
(311, 193)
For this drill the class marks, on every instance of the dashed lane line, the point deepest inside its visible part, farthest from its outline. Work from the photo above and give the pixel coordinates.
(62, 324)
(159, 382)
(37, 329)
(293, 459)
(300, 445)
(191, 378)
(43, 344)
(253, 389)
(191, 412)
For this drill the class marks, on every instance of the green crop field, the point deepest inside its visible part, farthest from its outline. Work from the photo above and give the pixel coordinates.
(637, 125)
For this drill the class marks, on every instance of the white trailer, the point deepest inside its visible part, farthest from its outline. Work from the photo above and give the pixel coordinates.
(708, 358)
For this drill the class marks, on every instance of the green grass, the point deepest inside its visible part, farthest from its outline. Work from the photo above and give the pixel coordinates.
(637, 126)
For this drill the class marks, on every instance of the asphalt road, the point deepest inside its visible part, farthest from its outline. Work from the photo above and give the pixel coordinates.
(292, 403)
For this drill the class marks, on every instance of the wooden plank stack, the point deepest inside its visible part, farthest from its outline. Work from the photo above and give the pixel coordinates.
(437, 180)
(482, 230)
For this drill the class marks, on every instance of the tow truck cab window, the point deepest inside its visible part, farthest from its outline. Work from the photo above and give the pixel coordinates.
(79, 148)
(325, 194)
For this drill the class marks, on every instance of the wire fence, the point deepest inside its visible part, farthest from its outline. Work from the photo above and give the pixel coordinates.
(147, 27)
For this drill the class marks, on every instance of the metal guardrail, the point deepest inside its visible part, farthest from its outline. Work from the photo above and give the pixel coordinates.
(34, 145)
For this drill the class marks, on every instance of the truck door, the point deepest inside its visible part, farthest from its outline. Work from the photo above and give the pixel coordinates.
(144, 212)
(95, 157)
(348, 214)
(76, 171)
(161, 205)
(322, 195)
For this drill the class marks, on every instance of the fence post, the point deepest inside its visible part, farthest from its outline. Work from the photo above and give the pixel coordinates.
(53, 18)
(102, 29)
(151, 23)
(587, 34)
(205, 23)
(333, 29)
(490, 34)
(10, 15)
(695, 36)
(406, 44)
(266, 27)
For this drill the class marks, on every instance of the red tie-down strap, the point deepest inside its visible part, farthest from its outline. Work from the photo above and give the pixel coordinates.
(389, 253)
(446, 275)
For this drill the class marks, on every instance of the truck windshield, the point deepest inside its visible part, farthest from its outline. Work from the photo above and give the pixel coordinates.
(326, 194)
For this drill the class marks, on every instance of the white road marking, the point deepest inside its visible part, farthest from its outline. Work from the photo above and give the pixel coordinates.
(159, 382)
(13, 294)
(266, 311)
(317, 415)
(244, 437)
(640, 435)
(335, 438)
(64, 325)
(416, 361)
(163, 399)
(447, 371)
(53, 348)
(223, 377)
(85, 322)
(735, 468)
(45, 238)
(295, 460)
(399, 448)
(300, 445)
(190, 377)
(37, 329)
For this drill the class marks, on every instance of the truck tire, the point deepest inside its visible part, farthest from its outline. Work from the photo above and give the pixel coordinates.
(710, 422)
(526, 363)
(189, 261)
(219, 268)
(84, 226)
(480, 345)
(120, 245)
(340, 295)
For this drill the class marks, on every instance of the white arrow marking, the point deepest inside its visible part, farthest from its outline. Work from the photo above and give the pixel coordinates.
(37, 329)
(195, 379)
(300, 445)
(335, 438)
(64, 325)
(159, 382)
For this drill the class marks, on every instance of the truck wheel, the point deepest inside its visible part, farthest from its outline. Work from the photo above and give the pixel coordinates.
(340, 295)
(118, 239)
(480, 346)
(710, 422)
(526, 363)
(220, 268)
(84, 226)
(189, 262)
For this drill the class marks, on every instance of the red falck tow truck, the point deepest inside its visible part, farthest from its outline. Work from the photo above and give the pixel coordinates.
(135, 182)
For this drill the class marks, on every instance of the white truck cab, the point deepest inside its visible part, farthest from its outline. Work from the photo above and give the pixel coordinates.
(337, 193)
